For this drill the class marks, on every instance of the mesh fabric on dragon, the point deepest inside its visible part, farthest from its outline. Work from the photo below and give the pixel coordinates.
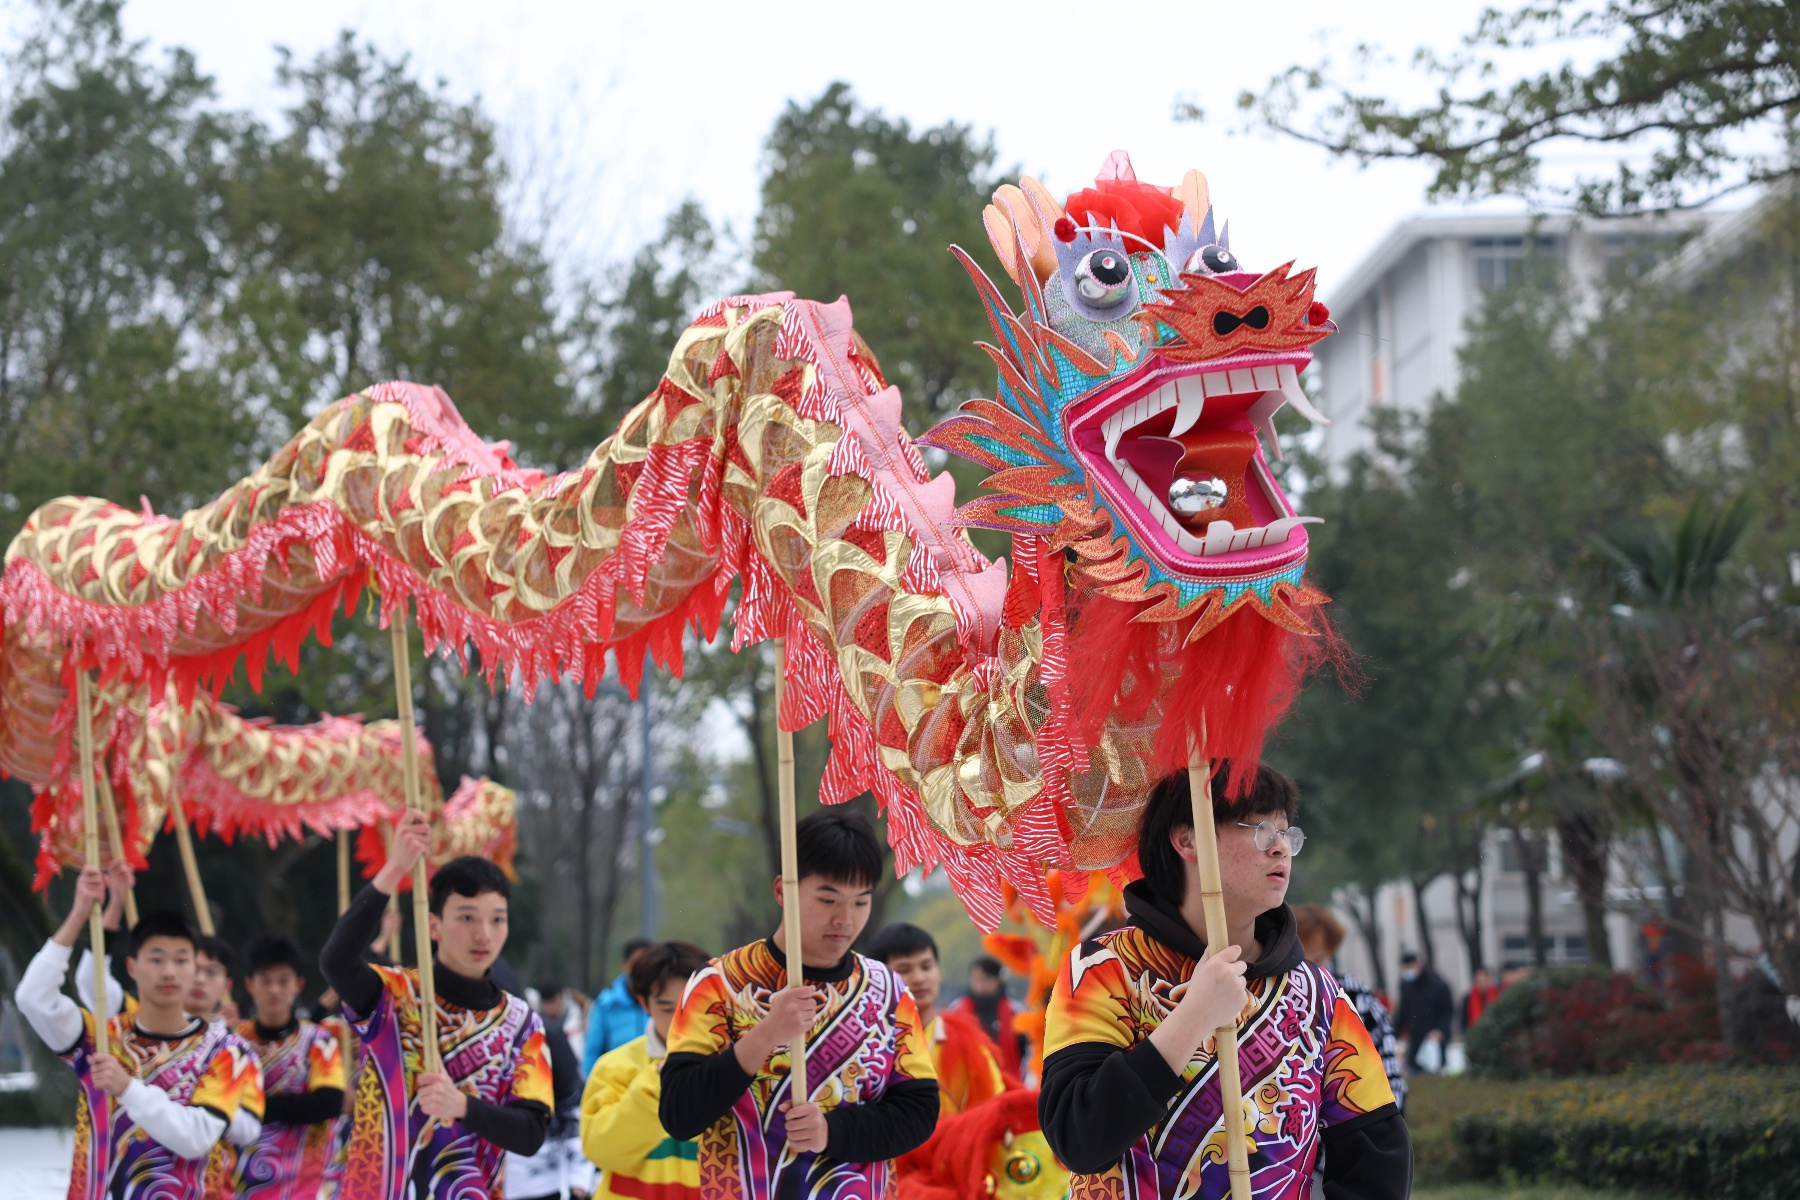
(1005, 723)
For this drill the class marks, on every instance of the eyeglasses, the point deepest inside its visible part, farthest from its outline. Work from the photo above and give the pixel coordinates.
(1267, 832)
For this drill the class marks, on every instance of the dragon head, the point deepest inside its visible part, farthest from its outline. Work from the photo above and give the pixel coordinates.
(1137, 393)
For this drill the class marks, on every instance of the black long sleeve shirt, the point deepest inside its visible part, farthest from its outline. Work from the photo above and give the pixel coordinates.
(517, 1125)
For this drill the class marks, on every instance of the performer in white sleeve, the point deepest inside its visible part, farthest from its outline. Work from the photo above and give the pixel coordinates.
(155, 1110)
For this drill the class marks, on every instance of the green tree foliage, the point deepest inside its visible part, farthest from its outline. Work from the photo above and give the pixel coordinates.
(109, 273)
(368, 243)
(1674, 86)
(855, 203)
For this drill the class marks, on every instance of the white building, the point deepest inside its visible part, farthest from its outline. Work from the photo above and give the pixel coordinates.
(1404, 311)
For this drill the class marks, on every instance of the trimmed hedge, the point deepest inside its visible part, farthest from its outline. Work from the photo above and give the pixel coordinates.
(1709, 1132)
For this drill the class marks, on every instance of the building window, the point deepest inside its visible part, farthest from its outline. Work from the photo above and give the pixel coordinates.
(1500, 261)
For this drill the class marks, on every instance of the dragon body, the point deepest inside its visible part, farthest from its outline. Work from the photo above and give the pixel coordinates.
(235, 775)
(1005, 719)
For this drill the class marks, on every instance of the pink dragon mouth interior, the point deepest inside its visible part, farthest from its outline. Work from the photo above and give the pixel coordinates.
(1175, 447)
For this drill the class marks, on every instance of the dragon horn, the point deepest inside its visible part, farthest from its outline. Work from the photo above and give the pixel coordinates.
(1194, 195)
(1029, 211)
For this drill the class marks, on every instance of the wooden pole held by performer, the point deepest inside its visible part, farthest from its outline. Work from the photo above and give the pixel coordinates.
(409, 766)
(798, 1092)
(110, 807)
(184, 841)
(343, 865)
(90, 830)
(1218, 936)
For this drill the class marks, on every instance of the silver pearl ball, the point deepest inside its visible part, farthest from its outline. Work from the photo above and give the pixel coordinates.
(1190, 496)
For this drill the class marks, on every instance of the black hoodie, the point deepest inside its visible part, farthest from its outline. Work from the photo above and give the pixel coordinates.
(1098, 1100)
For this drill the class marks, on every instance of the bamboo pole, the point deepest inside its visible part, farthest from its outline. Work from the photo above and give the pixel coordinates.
(110, 807)
(90, 829)
(409, 765)
(798, 1092)
(390, 946)
(184, 841)
(1225, 1044)
(343, 865)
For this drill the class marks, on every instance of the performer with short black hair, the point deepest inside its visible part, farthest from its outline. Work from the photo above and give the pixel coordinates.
(1131, 1095)
(967, 1061)
(155, 1109)
(303, 1078)
(874, 1092)
(438, 1134)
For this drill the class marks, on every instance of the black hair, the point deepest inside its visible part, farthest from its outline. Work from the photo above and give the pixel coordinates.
(1270, 794)
(467, 876)
(839, 845)
(1408, 957)
(660, 963)
(549, 986)
(271, 950)
(162, 922)
(901, 940)
(988, 965)
(632, 946)
(215, 948)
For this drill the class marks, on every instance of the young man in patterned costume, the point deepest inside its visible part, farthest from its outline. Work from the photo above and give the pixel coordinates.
(303, 1079)
(873, 1091)
(438, 1134)
(966, 1059)
(152, 1113)
(1131, 1099)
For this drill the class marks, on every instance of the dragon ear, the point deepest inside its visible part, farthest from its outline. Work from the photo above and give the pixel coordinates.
(1194, 195)
(1032, 211)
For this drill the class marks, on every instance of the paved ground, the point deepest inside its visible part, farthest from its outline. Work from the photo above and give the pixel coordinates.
(36, 1163)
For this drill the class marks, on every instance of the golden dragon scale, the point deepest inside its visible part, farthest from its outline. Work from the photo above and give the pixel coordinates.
(1005, 725)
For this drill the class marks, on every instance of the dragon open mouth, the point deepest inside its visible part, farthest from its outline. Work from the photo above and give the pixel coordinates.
(1175, 448)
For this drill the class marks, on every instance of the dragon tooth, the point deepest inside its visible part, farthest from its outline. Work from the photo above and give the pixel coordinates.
(1218, 537)
(1285, 374)
(1292, 392)
(1217, 383)
(1115, 429)
(1268, 430)
(1278, 531)
(1243, 381)
(1267, 378)
(1191, 400)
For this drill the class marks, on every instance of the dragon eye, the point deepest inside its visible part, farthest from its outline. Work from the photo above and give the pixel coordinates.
(1210, 260)
(1103, 278)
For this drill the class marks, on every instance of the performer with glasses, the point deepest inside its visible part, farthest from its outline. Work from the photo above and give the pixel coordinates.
(1130, 1093)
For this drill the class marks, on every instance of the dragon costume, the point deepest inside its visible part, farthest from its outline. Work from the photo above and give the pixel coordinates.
(237, 775)
(1006, 719)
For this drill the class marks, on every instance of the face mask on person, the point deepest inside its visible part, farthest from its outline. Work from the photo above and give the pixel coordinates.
(1410, 974)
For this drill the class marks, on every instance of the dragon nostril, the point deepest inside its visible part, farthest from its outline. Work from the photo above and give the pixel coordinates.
(1227, 323)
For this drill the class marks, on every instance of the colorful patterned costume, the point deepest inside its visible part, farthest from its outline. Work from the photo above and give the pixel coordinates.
(867, 1038)
(1306, 1060)
(497, 1055)
(210, 1068)
(287, 1162)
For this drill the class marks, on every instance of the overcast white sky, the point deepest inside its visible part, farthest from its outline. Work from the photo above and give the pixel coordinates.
(635, 106)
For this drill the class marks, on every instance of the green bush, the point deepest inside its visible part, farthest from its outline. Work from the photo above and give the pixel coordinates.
(1697, 1131)
(1586, 1022)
